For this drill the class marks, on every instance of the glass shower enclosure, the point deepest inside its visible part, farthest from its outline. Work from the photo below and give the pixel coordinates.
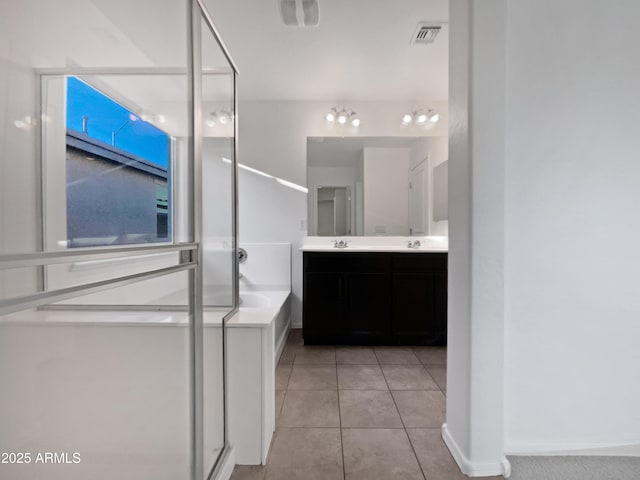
(118, 239)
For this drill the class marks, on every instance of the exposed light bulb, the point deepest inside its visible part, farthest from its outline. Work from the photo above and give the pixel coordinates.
(355, 121)
(342, 117)
(210, 122)
(434, 118)
(161, 118)
(407, 118)
(330, 117)
(224, 117)
(146, 117)
(421, 118)
(133, 118)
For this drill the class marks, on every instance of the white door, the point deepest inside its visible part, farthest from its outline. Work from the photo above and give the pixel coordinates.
(418, 199)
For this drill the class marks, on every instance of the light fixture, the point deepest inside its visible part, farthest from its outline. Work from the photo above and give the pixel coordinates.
(420, 117)
(222, 117)
(150, 118)
(25, 123)
(343, 116)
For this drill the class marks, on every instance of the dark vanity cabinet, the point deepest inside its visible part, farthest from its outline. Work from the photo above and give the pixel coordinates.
(375, 298)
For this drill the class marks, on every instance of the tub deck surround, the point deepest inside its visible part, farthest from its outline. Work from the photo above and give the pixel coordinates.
(260, 317)
(376, 244)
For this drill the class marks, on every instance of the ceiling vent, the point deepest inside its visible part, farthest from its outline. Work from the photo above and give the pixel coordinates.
(426, 33)
(300, 13)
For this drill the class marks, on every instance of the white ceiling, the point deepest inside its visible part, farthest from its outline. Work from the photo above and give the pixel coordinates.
(360, 51)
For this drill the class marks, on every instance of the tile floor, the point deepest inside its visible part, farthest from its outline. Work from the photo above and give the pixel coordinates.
(351, 413)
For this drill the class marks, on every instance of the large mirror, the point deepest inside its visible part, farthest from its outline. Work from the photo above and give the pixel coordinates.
(395, 186)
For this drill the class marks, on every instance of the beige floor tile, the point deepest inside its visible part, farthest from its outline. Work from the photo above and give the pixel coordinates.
(305, 454)
(356, 356)
(361, 377)
(431, 355)
(433, 455)
(313, 377)
(295, 337)
(279, 401)
(310, 408)
(408, 377)
(283, 372)
(288, 355)
(421, 408)
(368, 409)
(439, 375)
(379, 454)
(248, 472)
(396, 356)
(315, 355)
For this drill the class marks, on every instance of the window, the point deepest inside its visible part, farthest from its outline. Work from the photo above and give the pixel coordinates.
(118, 187)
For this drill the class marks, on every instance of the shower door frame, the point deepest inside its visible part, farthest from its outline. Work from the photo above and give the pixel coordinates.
(190, 253)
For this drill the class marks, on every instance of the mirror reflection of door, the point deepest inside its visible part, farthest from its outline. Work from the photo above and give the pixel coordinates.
(417, 199)
(333, 211)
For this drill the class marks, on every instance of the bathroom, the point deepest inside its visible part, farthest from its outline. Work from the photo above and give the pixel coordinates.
(103, 341)
(223, 304)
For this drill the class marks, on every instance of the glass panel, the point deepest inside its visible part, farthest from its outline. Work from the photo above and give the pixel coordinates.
(98, 394)
(218, 126)
(105, 392)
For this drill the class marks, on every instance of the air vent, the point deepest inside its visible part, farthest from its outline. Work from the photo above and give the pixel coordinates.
(426, 33)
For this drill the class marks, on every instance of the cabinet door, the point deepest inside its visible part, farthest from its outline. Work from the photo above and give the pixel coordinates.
(367, 307)
(420, 308)
(323, 297)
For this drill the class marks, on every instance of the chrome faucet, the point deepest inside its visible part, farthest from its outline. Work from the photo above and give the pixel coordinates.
(414, 244)
(340, 244)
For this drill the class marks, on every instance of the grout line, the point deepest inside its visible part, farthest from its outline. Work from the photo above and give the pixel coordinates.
(404, 427)
(344, 468)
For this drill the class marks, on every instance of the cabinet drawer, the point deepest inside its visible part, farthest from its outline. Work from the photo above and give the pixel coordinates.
(419, 262)
(347, 262)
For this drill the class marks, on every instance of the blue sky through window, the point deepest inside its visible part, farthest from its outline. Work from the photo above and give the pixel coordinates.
(106, 116)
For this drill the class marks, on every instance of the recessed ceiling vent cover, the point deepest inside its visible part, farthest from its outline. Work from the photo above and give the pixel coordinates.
(300, 13)
(426, 33)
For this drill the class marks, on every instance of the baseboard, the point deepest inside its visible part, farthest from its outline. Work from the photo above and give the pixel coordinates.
(474, 469)
(568, 449)
(224, 469)
(282, 341)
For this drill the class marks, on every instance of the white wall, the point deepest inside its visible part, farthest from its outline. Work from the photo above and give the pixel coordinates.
(436, 151)
(117, 394)
(544, 298)
(474, 430)
(386, 191)
(572, 361)
(273, 138)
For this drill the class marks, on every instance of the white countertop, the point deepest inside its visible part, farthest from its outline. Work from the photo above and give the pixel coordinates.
(376, 244)
(320, 248)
